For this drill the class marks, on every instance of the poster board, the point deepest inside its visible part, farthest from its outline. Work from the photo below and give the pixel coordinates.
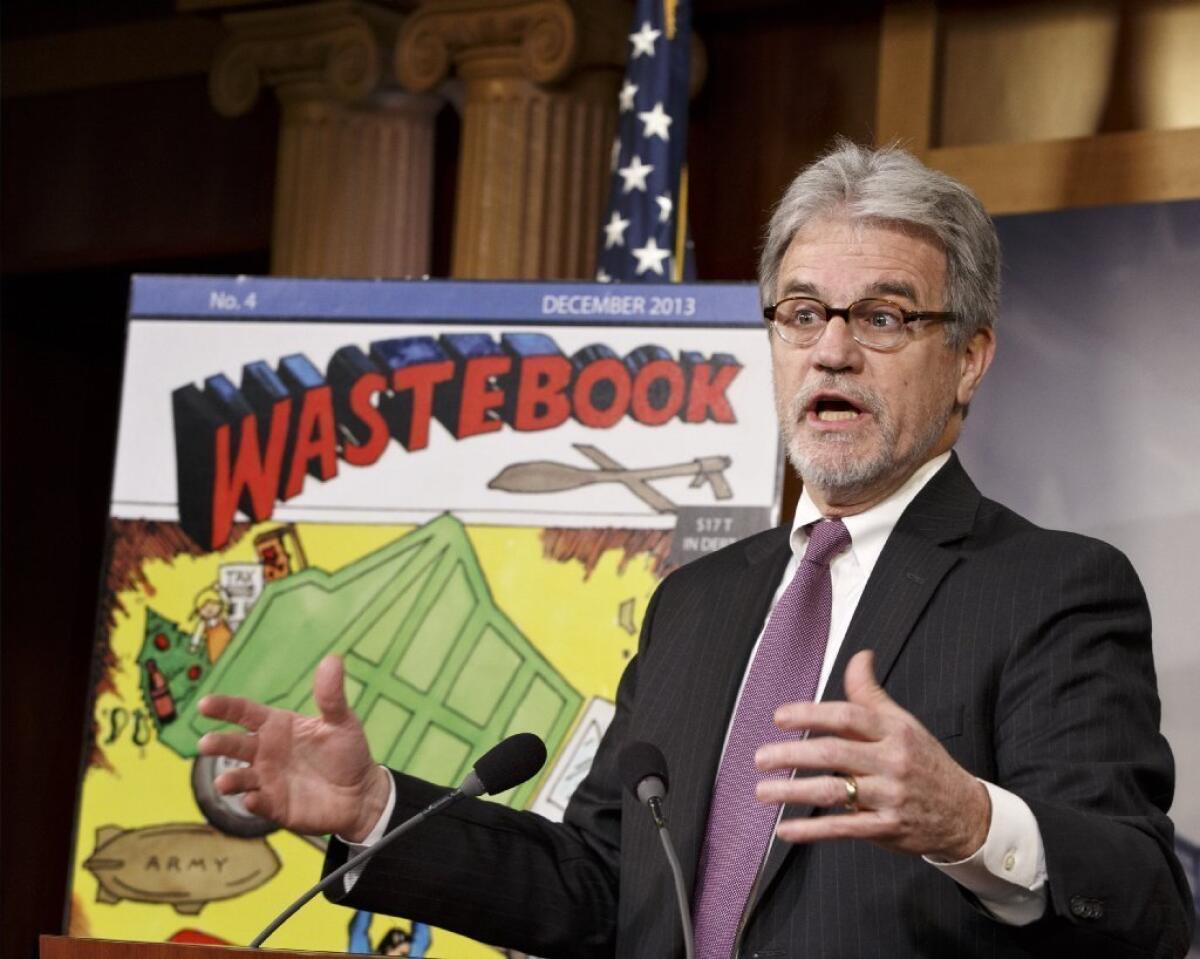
(469, 491)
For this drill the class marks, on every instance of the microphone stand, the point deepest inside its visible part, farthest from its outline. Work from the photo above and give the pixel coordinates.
(355, 861)
(655, 804)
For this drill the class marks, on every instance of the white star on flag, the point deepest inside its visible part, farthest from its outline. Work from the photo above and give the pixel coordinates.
(602, 277)
(643, 41)
(664, 207)
(656, 122)
(650, 257)
(626, 95)
(635, 175)
(614, 231)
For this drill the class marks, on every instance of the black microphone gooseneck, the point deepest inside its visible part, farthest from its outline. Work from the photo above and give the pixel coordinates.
(505, 765)
(643, 770)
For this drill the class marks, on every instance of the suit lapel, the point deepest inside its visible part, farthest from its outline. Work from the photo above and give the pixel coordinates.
(912, 565)
(714, 680)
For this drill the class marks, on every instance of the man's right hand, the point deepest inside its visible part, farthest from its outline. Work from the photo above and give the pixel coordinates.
(310, 775)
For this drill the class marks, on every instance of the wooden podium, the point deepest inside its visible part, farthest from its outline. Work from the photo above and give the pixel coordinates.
(63, 947)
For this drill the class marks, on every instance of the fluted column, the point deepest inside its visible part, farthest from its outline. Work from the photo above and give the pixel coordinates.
(354, 172)
(540, 84)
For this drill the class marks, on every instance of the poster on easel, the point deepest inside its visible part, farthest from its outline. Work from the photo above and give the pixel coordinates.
(467, 490)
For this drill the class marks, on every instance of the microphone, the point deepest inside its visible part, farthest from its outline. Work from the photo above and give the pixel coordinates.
(507, 764)
(643, 771)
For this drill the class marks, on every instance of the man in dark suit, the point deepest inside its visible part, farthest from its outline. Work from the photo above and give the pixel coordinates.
(913, 724)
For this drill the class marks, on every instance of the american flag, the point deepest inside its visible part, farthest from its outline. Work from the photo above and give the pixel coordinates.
(644, 236)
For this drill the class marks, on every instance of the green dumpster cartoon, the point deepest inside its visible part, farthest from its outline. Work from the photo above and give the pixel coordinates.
(436, 671)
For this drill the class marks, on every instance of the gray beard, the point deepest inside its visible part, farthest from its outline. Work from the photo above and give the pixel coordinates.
(837, 474)
(816, 458)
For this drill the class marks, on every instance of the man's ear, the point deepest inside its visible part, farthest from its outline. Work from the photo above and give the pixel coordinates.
(974, 361)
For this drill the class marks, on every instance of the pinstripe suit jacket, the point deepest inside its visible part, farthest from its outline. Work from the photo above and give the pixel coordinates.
(1025, 651)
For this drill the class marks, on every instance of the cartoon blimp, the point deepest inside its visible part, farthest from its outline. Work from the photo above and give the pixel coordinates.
(185, 865)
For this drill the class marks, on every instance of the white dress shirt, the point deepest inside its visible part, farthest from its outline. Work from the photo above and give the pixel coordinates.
(1007, 873)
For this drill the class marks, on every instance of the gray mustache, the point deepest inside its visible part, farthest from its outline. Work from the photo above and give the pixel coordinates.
(862, 397)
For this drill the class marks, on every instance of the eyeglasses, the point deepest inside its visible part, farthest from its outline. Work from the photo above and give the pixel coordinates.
(876, 324)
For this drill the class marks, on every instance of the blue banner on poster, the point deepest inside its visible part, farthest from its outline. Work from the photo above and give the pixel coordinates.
(267, 298)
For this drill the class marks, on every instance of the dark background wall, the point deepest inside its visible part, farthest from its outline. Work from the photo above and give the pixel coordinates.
(111, 167)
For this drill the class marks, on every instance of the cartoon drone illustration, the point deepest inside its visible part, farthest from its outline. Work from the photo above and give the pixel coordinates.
(546, 476)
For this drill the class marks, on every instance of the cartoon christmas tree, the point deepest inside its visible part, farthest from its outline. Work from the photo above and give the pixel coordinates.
(170, 666)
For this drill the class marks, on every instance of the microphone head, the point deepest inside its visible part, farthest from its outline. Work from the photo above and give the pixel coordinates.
(510, 762)
(638, 762)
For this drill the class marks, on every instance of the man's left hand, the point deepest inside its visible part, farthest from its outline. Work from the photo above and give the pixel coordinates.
(912, 797)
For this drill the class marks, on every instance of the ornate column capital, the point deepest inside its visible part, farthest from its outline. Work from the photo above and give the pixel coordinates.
(544, 41)
(335, 50)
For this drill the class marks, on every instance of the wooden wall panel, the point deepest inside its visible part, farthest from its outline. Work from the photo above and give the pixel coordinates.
(1043, 164)
(779, 88)
(133, 172)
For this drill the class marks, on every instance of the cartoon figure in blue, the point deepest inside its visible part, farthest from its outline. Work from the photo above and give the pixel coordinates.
(395, 942)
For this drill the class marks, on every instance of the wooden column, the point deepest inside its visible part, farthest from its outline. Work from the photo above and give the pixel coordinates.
(354, 173)
(540, 82)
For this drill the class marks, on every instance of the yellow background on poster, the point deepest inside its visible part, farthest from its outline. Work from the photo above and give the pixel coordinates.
(569, 614)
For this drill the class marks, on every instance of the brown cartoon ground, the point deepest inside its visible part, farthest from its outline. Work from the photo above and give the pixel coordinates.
(588, 545)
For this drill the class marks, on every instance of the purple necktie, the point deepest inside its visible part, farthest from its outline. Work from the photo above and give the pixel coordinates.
(786, 669)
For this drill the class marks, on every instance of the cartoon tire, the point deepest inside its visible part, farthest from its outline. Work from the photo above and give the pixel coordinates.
(226, 813)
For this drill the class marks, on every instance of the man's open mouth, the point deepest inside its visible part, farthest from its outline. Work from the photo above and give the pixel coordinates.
(834, 409)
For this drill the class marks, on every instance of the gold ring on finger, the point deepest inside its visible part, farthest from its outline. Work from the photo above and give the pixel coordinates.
(851, 804)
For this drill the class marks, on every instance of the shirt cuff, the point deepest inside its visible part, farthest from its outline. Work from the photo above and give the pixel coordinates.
(370, 838)
(1008, 872)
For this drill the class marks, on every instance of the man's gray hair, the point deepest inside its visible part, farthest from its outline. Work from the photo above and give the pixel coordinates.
(890, 185)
